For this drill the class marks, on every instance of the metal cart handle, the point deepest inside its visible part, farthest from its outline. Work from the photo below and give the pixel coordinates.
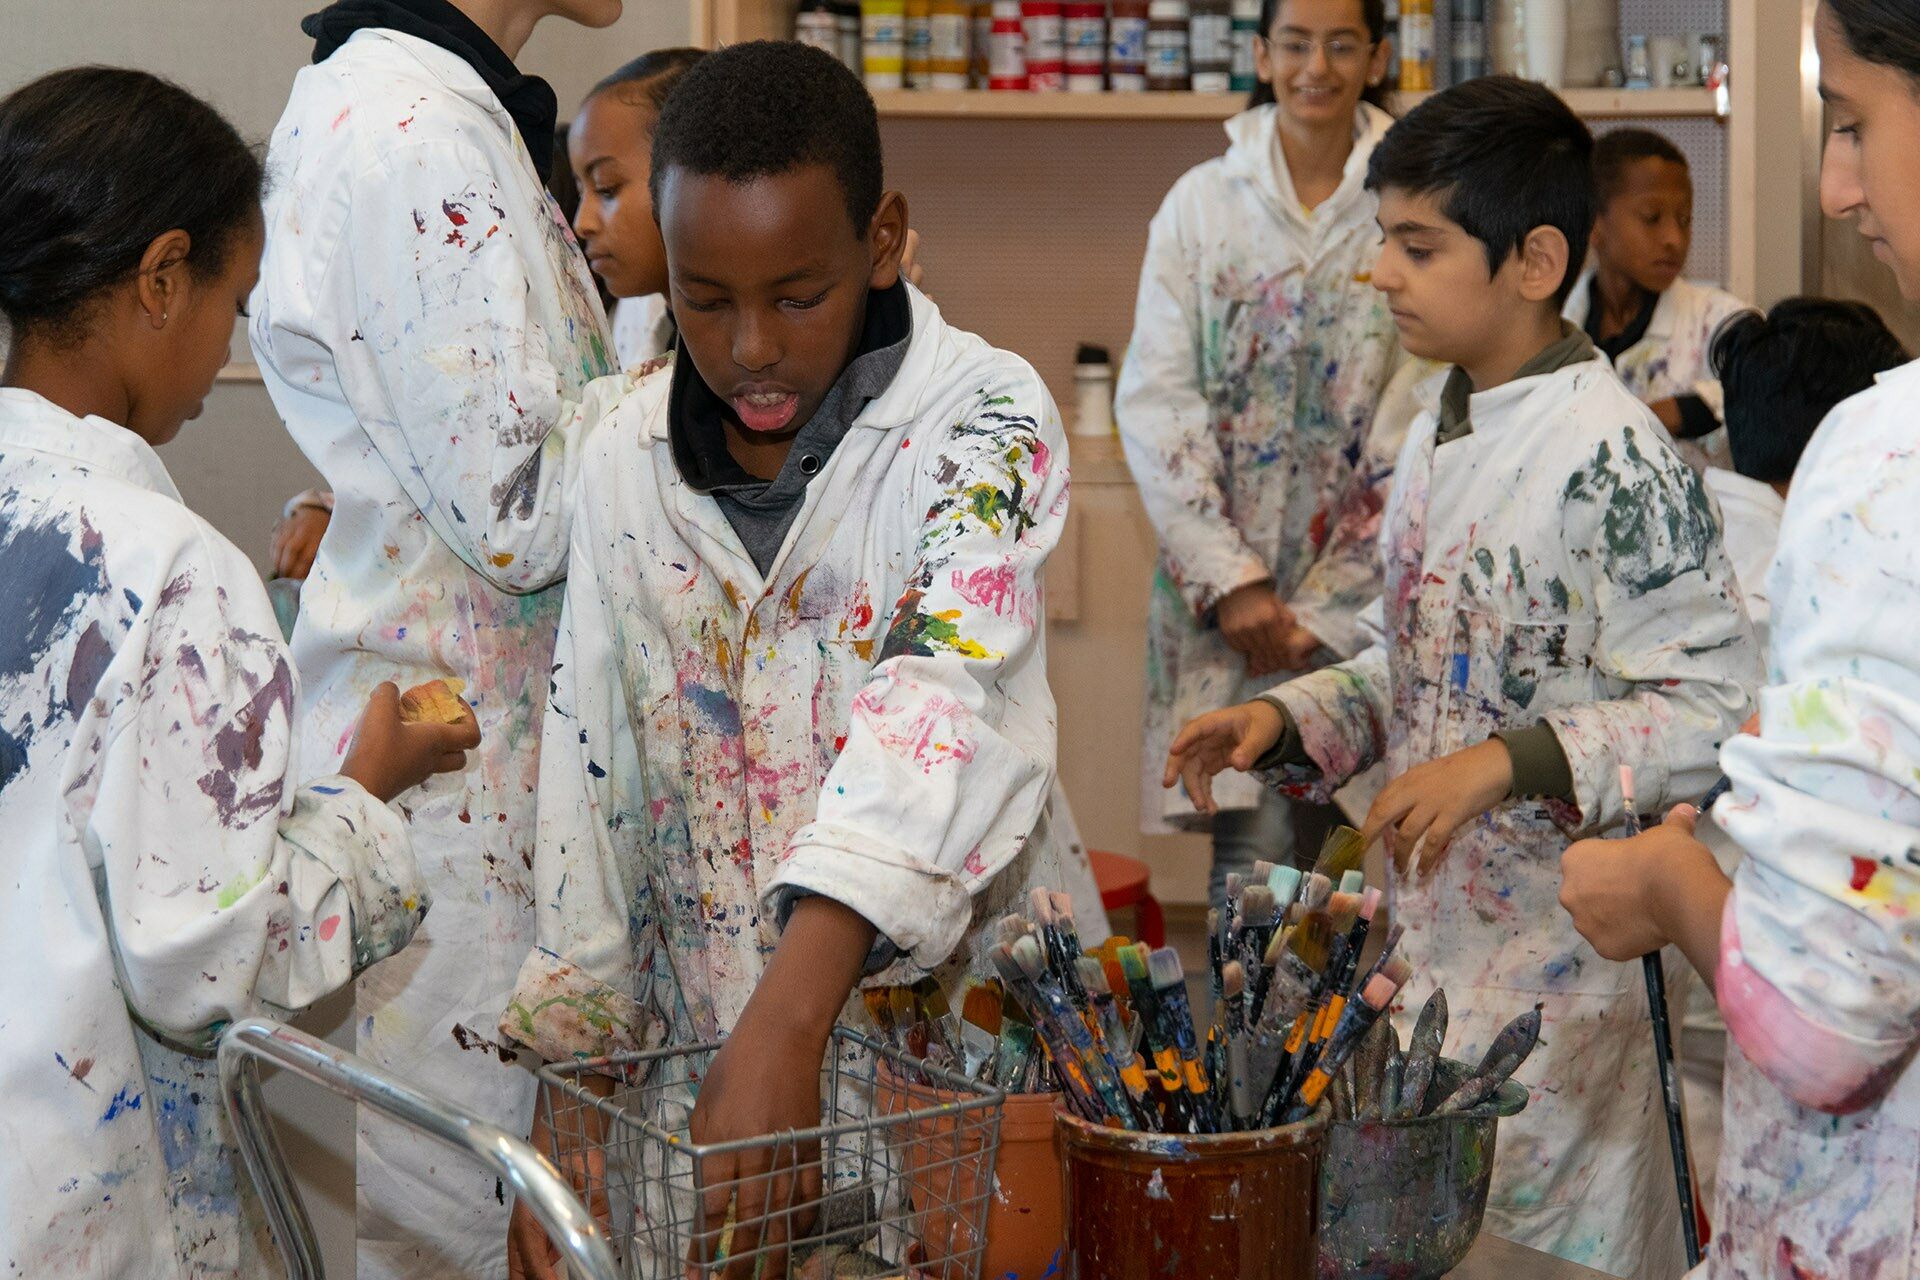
(527, 1173)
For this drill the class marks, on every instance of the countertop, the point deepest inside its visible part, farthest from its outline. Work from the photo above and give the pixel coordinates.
(1496, 1259)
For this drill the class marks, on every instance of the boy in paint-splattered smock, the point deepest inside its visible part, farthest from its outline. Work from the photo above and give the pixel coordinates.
(1655, 325)
(430, 333)
(800, 725)
(1557, 605)
(166, 873)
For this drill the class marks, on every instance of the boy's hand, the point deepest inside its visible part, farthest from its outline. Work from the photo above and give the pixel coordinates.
(766, 1080)
(388, 755)
(1234, 738)
(1629, 898)
(582, 1157)
(1298, 647)
(1422, 808)
(1254, 622)
(296, 539)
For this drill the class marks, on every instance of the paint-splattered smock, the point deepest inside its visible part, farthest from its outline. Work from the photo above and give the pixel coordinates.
(1820, 957)
(870, 721)
(162, 868)
(1259, 350)
(1558, 564)
(1673, 357)
(432, 338)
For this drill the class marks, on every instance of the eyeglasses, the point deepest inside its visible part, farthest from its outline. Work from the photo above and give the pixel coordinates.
(1341, 50)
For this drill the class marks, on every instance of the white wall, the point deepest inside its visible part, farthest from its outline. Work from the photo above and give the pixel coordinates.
(236, 465)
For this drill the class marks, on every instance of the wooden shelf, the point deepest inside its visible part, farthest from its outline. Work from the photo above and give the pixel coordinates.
(913, 104)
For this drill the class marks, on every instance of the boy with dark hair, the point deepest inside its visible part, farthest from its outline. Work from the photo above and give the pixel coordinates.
(1649, 320)
(1557, 605)
(800, 727)
(1782, 373)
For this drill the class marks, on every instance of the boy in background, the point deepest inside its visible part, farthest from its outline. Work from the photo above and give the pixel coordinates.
(1558, 604)
(1654, 324)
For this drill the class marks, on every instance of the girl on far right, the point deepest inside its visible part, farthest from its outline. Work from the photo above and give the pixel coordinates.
(1814, 945)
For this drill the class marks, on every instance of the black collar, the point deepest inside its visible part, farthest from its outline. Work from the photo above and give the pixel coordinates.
(694, 412)
(1613, 348)
(528, 99)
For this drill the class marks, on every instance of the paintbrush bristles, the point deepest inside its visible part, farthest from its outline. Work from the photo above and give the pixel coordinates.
(1062, 904)
(1369, 903)
(1352, 881)
(1233, 979)
(1164, 968)
(1318, 890)
(1256, 906)
(1384, 985)
(982, 1008)
(1092, 976)
(1041, 905)
(1285, 883)
(1026, 954)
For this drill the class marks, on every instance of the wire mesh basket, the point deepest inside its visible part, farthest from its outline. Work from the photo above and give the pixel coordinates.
(902, 1160)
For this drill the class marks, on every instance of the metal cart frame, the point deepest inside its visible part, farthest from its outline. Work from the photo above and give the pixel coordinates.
(251, 1041)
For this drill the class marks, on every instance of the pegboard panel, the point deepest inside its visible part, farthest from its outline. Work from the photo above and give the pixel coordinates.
(1673, 17)
(1704, 143)
(1034, 231)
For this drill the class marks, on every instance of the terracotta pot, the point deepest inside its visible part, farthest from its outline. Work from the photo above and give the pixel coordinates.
(1146, 1206)
(947, 1179)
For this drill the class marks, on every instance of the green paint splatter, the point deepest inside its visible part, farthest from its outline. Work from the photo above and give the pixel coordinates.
(1816, 717)
(1484, 558)
(1513, 564)
(236, 888)
(1557, 592)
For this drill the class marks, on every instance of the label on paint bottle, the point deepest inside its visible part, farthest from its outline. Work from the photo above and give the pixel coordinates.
(819, 28)
(1046, 48)
(1210, 50)
(1127, 52)
(1086, 28)
(919, 43)
(1246, 26)
(1168, 67)
(883, 43)
(1007, 52)
(952, 41)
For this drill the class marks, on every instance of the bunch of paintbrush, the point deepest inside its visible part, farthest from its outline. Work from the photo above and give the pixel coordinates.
(918, 1022)
(1381, 1081)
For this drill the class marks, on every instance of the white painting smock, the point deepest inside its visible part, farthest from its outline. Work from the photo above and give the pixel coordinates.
(1260, 348)
(429, 332)
(165, 875)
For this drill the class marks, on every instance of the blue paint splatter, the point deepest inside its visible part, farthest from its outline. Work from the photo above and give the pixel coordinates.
(716, 705)
(123, 1101)
(1460, 663)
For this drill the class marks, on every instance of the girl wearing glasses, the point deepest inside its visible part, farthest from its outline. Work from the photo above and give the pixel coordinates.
(1260, 351)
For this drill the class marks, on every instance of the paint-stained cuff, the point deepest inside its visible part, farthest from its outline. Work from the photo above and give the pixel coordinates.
(1540, 767)
(1815, 1065)
(563, 1013)
(1338, 733)
(924, 909)
(1291, 749)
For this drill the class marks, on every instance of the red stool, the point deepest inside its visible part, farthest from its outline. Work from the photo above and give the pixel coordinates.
(1123, 882)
